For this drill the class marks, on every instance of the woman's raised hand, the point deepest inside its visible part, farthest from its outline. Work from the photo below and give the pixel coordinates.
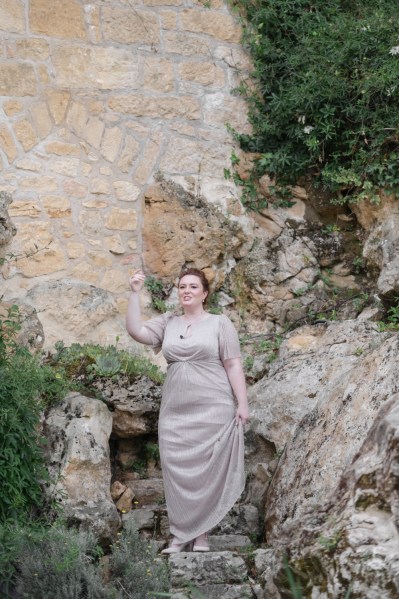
(136, 281)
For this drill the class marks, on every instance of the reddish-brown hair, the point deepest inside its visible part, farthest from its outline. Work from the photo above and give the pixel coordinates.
(196, 273)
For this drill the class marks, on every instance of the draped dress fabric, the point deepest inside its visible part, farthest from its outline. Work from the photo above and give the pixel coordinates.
(201, 447)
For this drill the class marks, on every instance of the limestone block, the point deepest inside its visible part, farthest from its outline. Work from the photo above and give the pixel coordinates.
(74, 188)
(99, 185)
(132, 243)
(230, 542)
(27, 208)
(26, 134)
(17, 79)
(149, 158)
(128, 26)
(60, 148)
(57, 102)
(7, 143)
(220, 109)
(203, 73)
(93, 22)
(77, 118)
(41, 119)
(129, 153)
(73, 311)
(12, 16)
(158, 75)
(121, 219)
(100, 258)
(163, 2)
(78, 434)
(43, 254)
(126, 191)
(168, 19)
(97, 204)
(59, 18)
(144, 519)
(114, 244)
(75, 250)
(219, 25)
(241, 520)
(97, 67)
(85, 272)
(115, 281)
(56, 206)
(93, 131)
(147, 491)
(111, 143)
(192, 156)
(158, 108)
(43, 183)
(185, 44)
(91, 222)
(27, 164)
(7, 229)
(66, 166)
(117, 488)
(32, 49)
(43, 73)
(12, 107)
(124, 503)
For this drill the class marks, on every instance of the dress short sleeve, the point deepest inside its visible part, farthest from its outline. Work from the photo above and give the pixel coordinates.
(156, 327)
(229, 344)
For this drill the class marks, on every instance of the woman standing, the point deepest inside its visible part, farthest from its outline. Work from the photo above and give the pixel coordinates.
(200, 429)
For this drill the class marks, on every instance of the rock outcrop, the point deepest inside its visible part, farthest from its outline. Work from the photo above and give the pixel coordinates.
(7, 229)
(78, 432)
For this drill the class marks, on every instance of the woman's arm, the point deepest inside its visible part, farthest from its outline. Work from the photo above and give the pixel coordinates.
(134, 324)
(236, 377)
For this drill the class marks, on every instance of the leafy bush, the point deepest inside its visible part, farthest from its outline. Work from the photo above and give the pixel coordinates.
(136, 570)
(23, 381)
(325, 104)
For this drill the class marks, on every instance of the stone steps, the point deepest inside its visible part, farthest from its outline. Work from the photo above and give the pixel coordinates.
(213, 575)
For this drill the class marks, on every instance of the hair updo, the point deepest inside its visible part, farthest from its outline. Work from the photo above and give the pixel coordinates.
(196, 273)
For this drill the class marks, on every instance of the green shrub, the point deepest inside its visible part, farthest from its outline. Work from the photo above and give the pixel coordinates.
(325, 105)
(136, 570)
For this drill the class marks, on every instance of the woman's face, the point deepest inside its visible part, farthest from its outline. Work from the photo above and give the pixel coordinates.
(191, 291)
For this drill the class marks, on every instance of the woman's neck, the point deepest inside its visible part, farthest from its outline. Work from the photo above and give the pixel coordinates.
(194, 314)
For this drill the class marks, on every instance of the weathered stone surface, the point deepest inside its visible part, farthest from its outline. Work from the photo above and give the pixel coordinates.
(7, 229)
(241, 520)
(192, 157)
(66, 166)
(60, 148)
(355, 537)
(203, 73)
(124, 503)
(129, 26)
(43, 183)
(12, 17)
(7, 143)
(117, 488)
(40, 253)
(27, 208)
(149, 158)
(144, 519)
(60, 18)
(212, 568)
(147, 491)
(159, 107)
(220, 591)
(230, 542)
(12, 107)
(33, 49)
(135, 407)
(129, 153)
(217, 24)
(126, 191)
(106, 68)
(345, 389)
(159, 75)
(58, 102)
(219, 109)
(74, 311)
(180, 228)
(121, 219)
(183, 43)
(78, 433)
(111, 143)
(41, 119)
(26, 134)
(115, 244)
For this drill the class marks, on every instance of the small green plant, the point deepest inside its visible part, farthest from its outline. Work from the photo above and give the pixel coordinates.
(330, 543)
(358, 351)
(358, 264)
(213, 304)
(330, 229)
(158, 294)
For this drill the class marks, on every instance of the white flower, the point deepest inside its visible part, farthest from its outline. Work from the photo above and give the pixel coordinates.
(394, 50)
(308, 129)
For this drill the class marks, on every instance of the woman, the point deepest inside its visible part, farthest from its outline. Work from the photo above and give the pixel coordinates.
(200, 427)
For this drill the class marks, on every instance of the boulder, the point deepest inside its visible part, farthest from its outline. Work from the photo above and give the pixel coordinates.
(349, 387)
(78, 457)
(354, 539)
(30, 334)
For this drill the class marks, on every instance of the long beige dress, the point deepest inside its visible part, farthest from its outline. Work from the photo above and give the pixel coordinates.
(201, 447)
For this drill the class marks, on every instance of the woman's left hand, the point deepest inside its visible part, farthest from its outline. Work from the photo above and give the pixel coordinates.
(242, 414)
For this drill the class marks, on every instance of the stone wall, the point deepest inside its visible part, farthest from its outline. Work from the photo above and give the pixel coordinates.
(96, 98)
